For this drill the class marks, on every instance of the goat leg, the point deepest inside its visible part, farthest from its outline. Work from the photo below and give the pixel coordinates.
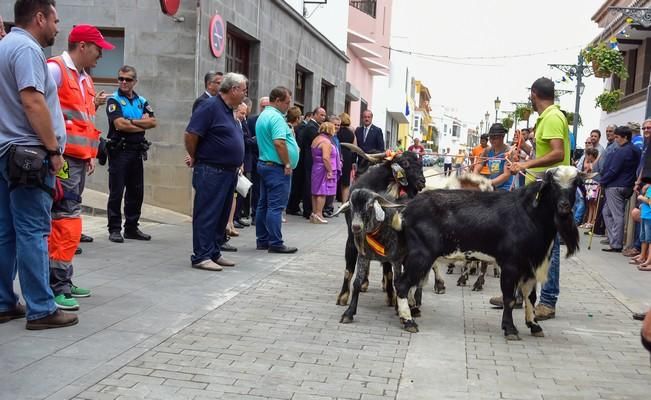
(529, 294)
(351, 259)
(508, 295)
(479, 283)
(439, 283)
(387, 282)
(450, 270)
(362, 270)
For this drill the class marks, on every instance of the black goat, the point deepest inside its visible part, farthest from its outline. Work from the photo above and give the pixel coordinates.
(517, 230)
(401, 175)
(375, 239)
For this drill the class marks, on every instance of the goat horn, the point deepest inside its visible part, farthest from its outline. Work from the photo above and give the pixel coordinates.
(344, 207)
(386, 203)
(373, 158)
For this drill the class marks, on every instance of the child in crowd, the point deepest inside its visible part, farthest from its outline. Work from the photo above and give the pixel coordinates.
(644, 259)
(591, 188)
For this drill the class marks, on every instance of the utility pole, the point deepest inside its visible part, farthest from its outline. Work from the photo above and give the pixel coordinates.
(579, 71)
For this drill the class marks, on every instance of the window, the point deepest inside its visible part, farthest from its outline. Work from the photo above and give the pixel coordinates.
(363, 106)
(107, 67)
(631, 62)
(326, 100)
(365, 6)
(417, 123)
(237, 54)
(299, 88)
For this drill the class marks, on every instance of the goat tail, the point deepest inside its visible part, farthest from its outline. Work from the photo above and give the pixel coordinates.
(396, 222)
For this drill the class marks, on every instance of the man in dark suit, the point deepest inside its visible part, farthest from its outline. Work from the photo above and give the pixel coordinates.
(369, 137)
(211, 81)
(255, 178)
(304, 138)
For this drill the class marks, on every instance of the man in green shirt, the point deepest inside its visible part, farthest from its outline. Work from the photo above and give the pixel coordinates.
(278, 157)
(552, 149)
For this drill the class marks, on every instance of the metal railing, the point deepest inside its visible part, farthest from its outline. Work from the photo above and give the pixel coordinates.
(366, 6)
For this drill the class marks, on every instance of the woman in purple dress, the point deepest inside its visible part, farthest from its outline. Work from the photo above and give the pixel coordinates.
(326, 170)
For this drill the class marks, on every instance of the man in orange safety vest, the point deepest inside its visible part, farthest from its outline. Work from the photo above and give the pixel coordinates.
(79, 102)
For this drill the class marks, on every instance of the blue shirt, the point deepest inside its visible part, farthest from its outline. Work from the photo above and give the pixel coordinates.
(23, 65)
(121, 106)
(645, 209)
(496, 168)
(619, 168)
(220, 138)
(271, 125)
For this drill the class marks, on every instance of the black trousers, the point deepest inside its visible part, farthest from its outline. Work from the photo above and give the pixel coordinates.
(126, 178)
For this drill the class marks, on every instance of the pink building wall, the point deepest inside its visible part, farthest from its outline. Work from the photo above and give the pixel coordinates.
(373, 57)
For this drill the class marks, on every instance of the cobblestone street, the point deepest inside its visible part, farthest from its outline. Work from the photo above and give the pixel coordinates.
(269, 329)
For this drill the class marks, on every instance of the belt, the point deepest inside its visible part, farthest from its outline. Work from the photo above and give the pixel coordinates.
(271, 164)
(219, 166)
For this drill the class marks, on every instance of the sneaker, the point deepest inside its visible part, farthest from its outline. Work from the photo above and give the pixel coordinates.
(79, 292)
(227, 247)
(66, 302)
(499, 303)
(544, 312)
(208, 265)
(58, 319)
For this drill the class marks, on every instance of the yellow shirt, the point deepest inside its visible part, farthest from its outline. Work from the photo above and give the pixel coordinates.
(551, 124)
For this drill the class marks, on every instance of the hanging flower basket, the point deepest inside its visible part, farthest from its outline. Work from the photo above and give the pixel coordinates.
(598, 72)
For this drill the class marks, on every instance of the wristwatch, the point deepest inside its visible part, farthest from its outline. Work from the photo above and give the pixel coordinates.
(57, 152)
(288, 165)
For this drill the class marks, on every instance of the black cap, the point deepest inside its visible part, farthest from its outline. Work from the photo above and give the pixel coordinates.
(497, 129)
(483, 137)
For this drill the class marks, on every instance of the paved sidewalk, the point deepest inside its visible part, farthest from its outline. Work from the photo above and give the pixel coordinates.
(268, 329)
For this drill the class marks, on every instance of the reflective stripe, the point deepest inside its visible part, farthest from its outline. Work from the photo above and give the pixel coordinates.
(75, 115)
(83, 141)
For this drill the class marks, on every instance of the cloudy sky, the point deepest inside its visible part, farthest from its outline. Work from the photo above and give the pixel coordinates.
(470, 29)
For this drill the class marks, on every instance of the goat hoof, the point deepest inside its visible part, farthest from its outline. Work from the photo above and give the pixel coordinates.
(439, 290)
(538, 334)
(391, 301)
(342, 300)
(513, 337)
(478, 286)
(410, 326)
(536, 330)
(462, 281)
(345, 319)
(364, 287)
(415, 312)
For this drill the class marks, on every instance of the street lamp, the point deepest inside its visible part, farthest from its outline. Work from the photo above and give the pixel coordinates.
(486, 117)
(497, 106)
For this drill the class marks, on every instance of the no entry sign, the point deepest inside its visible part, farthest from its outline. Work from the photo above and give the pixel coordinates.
(217, 35)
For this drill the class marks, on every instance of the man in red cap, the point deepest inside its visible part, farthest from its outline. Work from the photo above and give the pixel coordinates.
(79, 102)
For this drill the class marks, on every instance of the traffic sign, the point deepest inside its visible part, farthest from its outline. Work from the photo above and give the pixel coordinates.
(217, 35)
(170, 7)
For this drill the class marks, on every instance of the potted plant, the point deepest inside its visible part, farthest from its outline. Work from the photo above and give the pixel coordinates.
(507, 122)
(570, 118)
(605, 61)
(608, 101)
(523, 113)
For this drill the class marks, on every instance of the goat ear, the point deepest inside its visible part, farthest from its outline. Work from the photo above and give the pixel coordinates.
(547, 180)
(399, 174)
(379, 212)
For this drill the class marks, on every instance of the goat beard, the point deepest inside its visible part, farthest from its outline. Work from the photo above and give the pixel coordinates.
(568, 231)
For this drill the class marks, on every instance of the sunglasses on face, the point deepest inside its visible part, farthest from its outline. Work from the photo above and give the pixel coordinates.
(124, 79)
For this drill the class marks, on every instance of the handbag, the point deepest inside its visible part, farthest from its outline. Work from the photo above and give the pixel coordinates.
(243, 185)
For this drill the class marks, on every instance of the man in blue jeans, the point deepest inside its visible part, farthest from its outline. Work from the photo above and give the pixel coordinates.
(278, 157)
(31, 116)
(215, 145)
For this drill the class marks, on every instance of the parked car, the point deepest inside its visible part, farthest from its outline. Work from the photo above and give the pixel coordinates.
(429, 159)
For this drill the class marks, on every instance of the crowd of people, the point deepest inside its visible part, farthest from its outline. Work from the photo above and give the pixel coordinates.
(294, 161)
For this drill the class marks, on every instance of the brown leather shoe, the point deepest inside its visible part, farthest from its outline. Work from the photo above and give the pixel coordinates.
(543, 312)
(58, 319)
(17, 312)
(224, 262)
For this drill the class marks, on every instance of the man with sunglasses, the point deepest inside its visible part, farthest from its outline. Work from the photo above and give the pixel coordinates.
(79, 103)
(129, 115)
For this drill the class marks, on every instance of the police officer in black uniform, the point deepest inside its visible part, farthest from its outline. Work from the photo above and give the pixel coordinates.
(129, 117)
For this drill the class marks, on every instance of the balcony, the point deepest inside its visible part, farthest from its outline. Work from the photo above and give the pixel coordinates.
(366, 6)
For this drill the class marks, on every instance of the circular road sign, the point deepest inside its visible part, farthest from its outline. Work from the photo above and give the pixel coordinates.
(170, 7)
(217, 35)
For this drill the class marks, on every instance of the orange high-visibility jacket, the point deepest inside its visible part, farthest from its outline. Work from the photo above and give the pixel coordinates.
(78, 112)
